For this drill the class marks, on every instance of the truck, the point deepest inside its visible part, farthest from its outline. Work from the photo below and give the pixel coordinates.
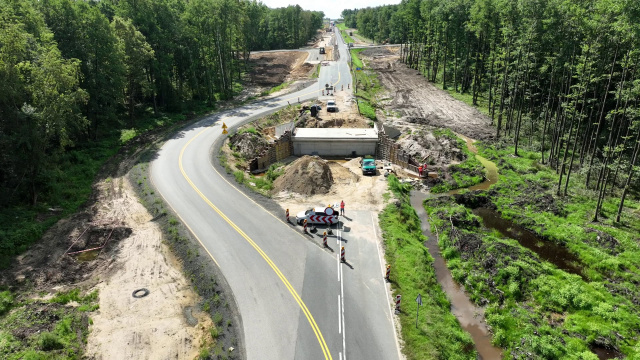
(368, 166)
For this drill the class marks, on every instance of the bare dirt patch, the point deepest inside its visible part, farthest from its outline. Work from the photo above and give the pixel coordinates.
(415, 100)
(359, 192)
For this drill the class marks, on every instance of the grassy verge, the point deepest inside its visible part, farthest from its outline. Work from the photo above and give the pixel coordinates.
(367, 87)
(438, 335)
(275, 89)
(533, 306)
(361, 38)
(343, 31)
(45, 329)
(468, 173)
(316, 72)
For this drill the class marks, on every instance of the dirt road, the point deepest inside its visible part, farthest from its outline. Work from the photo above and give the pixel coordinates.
(417, 101)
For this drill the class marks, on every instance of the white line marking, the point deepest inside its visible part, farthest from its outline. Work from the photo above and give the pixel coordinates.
(344, 347)
(339, 320)
(340, 356)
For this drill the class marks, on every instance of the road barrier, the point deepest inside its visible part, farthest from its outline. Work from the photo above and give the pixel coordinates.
(324, 239)
(342, 258)
(386, 277)
(305, 226)
(287, 215)
(398, 301)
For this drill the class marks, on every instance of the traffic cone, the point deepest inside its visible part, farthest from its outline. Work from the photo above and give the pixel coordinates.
(398, 300)
(324, 239)
(342, 258)
(287, 215)
(386, 277)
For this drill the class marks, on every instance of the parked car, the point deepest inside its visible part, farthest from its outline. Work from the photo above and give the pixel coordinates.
(331, 106)
(368, 166)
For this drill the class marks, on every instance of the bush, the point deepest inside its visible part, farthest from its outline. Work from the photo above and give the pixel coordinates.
(239, 176)
(6, 301)
(48, 341)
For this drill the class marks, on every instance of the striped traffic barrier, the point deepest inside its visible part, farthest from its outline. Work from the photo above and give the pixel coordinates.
(305, 226)
(342, 255)
(324, 239)
(386, 277)
(398, 300)
(287, 215)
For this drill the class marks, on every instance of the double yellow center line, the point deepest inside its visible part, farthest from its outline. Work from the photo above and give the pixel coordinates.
(305, 310)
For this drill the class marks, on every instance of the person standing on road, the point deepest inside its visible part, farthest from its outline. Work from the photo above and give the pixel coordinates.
(420, 170)
(342, 208)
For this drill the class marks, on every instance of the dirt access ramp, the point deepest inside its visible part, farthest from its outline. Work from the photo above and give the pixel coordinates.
(417, 101)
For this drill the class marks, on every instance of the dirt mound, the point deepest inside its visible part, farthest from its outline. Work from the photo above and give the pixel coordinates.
(248, 144)
(308, 175)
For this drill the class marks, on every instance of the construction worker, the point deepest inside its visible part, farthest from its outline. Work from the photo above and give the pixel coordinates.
(420, 170)
(342, 207)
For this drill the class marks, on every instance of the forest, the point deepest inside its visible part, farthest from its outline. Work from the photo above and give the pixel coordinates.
(555, 75)
(76, 76)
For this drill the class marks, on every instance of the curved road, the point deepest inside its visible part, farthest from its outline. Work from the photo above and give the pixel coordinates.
(297, 301)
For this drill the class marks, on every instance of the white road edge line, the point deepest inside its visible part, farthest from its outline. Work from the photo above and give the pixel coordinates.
(344, 346)
(339, 322)
(384, 287)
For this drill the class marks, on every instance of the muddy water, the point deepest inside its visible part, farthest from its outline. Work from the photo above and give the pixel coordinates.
(548, 251)
(469, 315)
(491, 170)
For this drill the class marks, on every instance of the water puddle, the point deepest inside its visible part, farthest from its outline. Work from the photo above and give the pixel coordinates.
(88, 256)
(606, 354)
(555, 254)
(468, 314)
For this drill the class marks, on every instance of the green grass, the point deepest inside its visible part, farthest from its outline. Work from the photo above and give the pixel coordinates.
(535, 307)
(438, 335)
(367, 87)
(261, 184)
(275, 89)
(49, 330)
(316, 72)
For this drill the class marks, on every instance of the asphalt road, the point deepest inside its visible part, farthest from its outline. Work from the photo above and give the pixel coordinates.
(296, 299)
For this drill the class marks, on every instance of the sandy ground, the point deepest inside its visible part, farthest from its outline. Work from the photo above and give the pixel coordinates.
(153, 327)
(349, 185)
(414, 100)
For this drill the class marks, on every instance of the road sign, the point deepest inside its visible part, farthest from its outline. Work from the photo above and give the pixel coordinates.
(358, 69)
(224, 126)
(419, 300)
(224, 131)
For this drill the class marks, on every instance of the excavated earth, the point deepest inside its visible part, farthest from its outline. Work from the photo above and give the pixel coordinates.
(412, 100)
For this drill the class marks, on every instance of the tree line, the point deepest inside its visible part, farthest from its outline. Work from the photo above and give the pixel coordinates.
(72, 72)
(556, 75)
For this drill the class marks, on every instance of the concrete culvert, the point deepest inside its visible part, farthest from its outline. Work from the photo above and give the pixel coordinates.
(140, 293)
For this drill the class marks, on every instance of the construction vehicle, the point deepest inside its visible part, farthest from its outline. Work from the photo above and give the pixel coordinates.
(322, 50)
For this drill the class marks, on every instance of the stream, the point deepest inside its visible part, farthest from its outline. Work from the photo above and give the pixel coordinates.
(468, 314)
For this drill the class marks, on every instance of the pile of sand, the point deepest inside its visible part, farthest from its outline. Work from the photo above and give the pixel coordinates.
(309, 175)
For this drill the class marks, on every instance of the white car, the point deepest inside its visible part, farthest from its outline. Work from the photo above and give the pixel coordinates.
(331, 106)
(323, 215)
